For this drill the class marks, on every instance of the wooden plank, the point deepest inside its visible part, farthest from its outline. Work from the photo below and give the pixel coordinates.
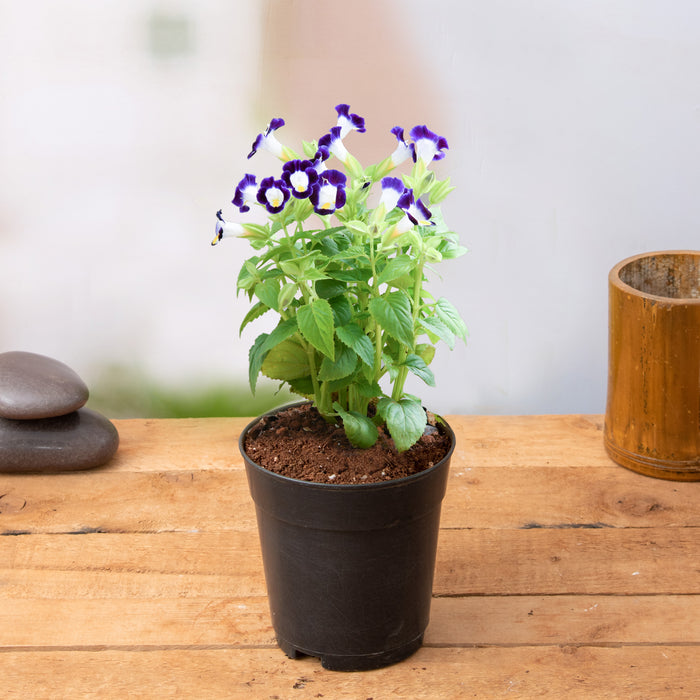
(178, 444)
(236, 621)
(112, 501)
(522, 672)
(565, 619)
(469, 562)
(554, 440)
(205, 443)
(545, 496)
(140, 565)
(568, 561)
(218, 499)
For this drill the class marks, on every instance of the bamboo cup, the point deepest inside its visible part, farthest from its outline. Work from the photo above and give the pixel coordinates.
(652, 419)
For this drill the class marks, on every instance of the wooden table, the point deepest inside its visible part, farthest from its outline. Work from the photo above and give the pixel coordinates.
(559, 574)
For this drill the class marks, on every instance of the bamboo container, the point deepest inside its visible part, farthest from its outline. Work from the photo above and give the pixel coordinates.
(652, 418)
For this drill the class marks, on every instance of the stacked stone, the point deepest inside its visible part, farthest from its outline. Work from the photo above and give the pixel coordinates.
(44, 426)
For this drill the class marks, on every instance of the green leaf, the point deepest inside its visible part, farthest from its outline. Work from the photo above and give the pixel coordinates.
(328, 288)
(286, 361)
(439, 190)
(343, 365)
(255, 312)
(263, 344)
(303, 386)
(393, 313)
(426, 352)
(283, 330)
(437, 329)
(405, 420)
(451, 318)
(248, 275)
(316, 325)
(342, 311)
(357, 275)
(360, 430)
(354, 337)
(268, 292)
(395, 268)
(256, 355)
(357, 227)
(418, 366)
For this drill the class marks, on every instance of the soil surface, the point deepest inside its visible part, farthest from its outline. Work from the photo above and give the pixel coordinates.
(297, 442)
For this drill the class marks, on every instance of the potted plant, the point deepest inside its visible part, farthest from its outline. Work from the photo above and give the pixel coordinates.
(347, 484)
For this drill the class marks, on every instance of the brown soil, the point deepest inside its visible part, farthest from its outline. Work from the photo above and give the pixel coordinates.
(297, 442)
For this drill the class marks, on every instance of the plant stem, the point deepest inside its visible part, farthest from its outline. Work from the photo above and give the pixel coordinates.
(400, 381)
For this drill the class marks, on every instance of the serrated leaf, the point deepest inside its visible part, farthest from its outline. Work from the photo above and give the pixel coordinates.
(395, 268)
(256, 355)
(268, 292)
(343, 365)
(342, 311)
(417, 366)
(256, 311)
(354, 337)
(451, 318)
(360, 430)
(367, 388)
(303, 386)
(405, 419)
(283, 330)
(438, 330)
(316, 325)
(286, 361)
(393, 313)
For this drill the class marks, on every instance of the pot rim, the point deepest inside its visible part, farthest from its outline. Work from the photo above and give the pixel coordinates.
(374, 486)
(616, 281)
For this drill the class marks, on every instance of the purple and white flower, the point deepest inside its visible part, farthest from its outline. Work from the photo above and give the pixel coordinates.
(428, 145)
(333, 141)
(328, 194)
(392, 189)
(404, 150)
(246, 193)
(273, 194)
(417, 212)
(268, 141)
(226, 229)
(300, 177)
(349, 122)
(320, 157)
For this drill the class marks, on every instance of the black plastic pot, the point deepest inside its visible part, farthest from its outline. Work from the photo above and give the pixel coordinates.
(349, 569)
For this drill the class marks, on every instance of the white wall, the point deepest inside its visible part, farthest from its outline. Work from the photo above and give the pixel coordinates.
(574, 133)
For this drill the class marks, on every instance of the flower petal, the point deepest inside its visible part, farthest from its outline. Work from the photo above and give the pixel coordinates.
(428, 145)
(274, 194)
(299, 176)
(404, 150)
(349, 122)
(392, 189)
(246, 192)
(268, 141)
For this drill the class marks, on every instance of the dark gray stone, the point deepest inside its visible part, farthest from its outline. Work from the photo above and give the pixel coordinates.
(35, 386)
(80, 440)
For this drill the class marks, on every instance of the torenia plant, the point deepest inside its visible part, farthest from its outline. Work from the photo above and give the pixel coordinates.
(347, 277)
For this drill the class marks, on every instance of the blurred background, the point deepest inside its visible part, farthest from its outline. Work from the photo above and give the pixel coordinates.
(574, 132)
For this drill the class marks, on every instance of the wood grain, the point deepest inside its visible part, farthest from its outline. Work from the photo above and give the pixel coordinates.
(559, 574)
